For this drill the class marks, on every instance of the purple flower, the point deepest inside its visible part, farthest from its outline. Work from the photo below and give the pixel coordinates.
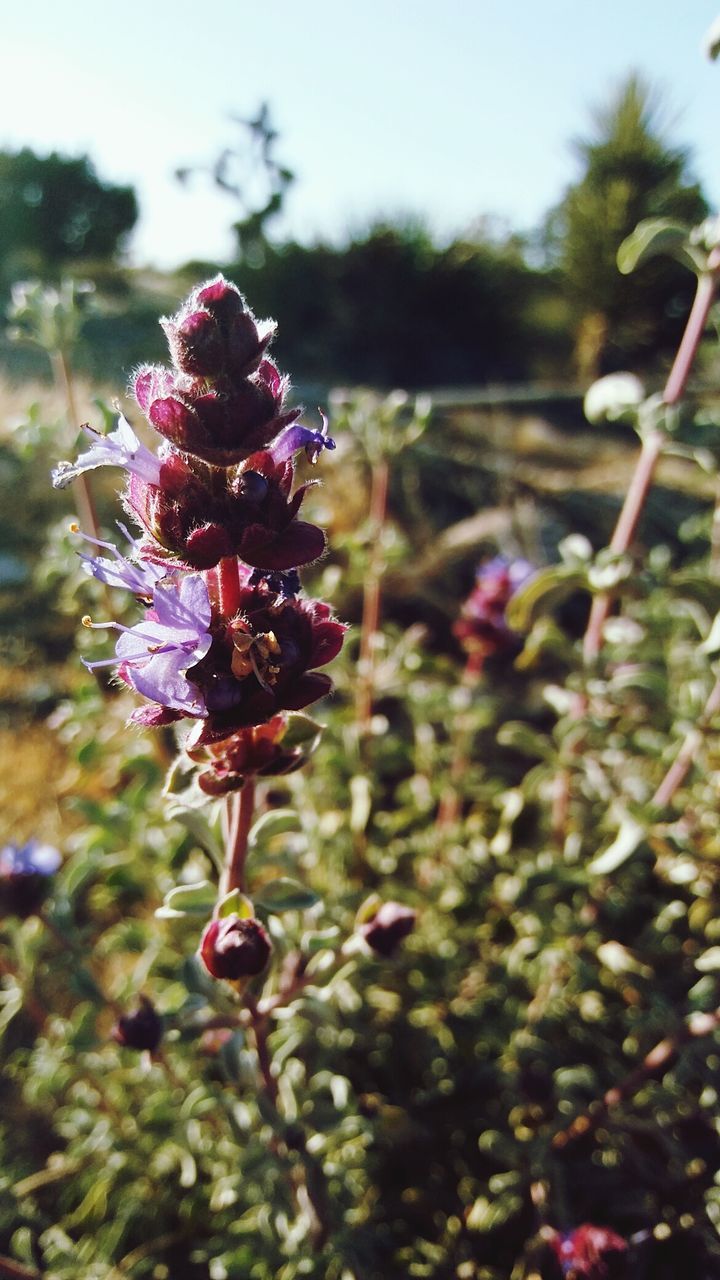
(140, 578)
(482, 628)
(155, 655)
(30, 859)
(297, 437)
(120, 448)
(24, 874)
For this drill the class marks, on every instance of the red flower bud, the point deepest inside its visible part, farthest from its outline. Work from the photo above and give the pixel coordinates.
(141, 1029)
(391, 923)
(196, 344)
(234, 947)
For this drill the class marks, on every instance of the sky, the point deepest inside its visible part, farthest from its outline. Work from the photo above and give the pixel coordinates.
(446, 110)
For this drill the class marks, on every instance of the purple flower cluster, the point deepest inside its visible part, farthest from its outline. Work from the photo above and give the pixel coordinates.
(482, 628)
(225, 638)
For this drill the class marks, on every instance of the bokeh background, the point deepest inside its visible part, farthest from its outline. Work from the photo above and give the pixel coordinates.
(429, 199)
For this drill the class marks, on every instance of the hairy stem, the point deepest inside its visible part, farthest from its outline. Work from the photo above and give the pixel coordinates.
(228, 580)
(240, 810)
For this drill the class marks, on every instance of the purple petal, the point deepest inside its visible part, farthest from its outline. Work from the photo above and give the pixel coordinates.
(121, 448)
(33, 858)
(292, 439)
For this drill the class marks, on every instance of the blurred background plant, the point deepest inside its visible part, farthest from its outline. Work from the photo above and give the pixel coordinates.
(535, 1064)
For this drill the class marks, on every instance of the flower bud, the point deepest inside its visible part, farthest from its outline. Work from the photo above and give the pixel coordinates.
(234, 947)
(255, 750)
(196, 344)
(391, 923)
(141, 1029)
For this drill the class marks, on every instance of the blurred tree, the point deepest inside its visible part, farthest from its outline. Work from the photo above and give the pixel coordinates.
(391, 308)
(55, 210)
(250, 174)
(631, 171)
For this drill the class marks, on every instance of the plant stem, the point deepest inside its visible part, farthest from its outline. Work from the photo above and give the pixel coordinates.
(655, 1063)
(87, 517)
(15, 1271)
(371, 597)
(630, 514)
(680, 767)
(649, 454)
(240, 808)
(450, 803)
(306, 1176)
(228, 579)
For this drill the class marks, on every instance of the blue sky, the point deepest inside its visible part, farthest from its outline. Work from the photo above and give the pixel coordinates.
(446, 109)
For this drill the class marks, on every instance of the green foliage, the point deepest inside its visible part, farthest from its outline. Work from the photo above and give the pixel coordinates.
(630, 172)
(55, 210)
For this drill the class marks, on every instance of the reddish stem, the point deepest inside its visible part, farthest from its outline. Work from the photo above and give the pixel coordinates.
(259, 1028)
(653, 1065)
(15, 1271)
(228, 578)
(651, 449)
(680, 767)
(241, 807)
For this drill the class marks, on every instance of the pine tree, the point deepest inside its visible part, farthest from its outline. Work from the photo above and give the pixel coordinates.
(631, 171)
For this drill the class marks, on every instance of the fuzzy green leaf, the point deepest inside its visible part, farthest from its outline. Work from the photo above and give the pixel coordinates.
(188, 900)
(542, 593)
(653, 237)
(285, 894)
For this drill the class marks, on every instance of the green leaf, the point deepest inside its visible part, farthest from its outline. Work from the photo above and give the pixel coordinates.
(712, 644)
(542, 593)
(274, 823)
(368, 909)
(709, 961)
(285, 894)
(302, 731)
(361, 807)
(655, 236)
(199, 827)
(188, 900)
(520, 737)
(628, 839)
(485, 1215)
(235, 903)
(319, 940)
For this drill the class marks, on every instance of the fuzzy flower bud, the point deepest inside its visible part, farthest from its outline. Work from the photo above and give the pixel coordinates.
(391, 923)
(141, 1029)
(234, 947)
